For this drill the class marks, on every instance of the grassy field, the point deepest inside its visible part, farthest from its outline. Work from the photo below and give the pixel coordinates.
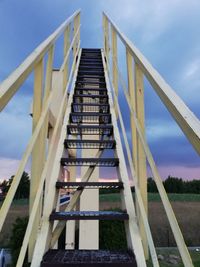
(185, 206)
(166, 252)
(155, 197)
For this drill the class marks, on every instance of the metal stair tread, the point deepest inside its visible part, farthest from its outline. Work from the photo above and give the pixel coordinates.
(89, 215)
(89, 185)
(89, 144)
(92, 162)
(90, 129)
(90, 258)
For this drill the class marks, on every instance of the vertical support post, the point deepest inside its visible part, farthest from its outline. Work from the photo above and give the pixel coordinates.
(89, 201)
(141, 158)
(106, 38)
(114, 64)
(70, 225)
(76, 25)
(66, 48)
(131, 88)
(36, 153)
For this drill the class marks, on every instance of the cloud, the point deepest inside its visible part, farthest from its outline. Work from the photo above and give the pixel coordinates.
(8, 167)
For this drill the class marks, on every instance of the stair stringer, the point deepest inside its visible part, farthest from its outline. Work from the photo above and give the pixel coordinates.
(45, 232)
(132, 230)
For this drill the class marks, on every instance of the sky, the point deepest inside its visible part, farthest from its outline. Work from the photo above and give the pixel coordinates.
(166, 32)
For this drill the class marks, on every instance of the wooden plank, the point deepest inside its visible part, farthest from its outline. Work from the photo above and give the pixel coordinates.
(66, 49)
(10, 85)
(184, 117)
(37, 153)
(141, 157)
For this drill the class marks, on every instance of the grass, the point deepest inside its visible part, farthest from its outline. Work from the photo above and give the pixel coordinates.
(165, 252)
(155, 197)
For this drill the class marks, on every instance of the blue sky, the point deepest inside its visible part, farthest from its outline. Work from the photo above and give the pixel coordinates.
(167, 33)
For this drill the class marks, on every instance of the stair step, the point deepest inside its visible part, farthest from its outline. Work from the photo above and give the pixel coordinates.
(91, 64)
(88, 258)
(91, 61)
(89, 78)
(90, 99)
(89, 117)
(92, 76)
(89, 185)
(89, 68)
(89, 144)
(89, 215)
(92, 162)
(91, 82)
(90, 72)
(93, 91)
(102, 108)
(90, 129)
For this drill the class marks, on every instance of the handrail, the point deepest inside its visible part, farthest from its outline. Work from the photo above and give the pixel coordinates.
(10, 85)
(184, 117)
(189, 124)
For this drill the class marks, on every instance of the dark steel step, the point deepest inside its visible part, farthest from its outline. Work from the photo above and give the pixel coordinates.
(88, 258)
(92, 91)
(89, 215)
(102, 108)
(89, 117)
(90, 72)
(89, 144)
(90, 78)
(90, 99)
(90, 129)
(89, 185)
(92, 162)
(91, 64)
(95, 68)
(91, 61)
(90, 82)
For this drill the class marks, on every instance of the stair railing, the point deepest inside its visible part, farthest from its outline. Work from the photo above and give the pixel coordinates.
(137, 68)
(45, 95)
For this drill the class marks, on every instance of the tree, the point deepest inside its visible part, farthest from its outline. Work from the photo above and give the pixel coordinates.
(23, 188)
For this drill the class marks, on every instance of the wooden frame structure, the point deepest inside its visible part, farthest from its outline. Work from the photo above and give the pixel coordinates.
(52, 99)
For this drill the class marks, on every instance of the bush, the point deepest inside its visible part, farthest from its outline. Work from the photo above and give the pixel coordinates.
(16, 239)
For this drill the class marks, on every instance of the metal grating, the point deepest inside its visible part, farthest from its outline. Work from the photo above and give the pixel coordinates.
(90, 117)
(89, 185)
(92, 91)
(88, 258)
(90, 144)
(90, 129)
(102, 108)
(89, 215)
(90, 99)
(92, 162)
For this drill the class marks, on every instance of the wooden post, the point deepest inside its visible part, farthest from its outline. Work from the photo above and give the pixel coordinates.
(131, 89)
(66, 48)
(36, 153)
(114, 64)
(141, 157)
(106, 39)
(75, 30)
